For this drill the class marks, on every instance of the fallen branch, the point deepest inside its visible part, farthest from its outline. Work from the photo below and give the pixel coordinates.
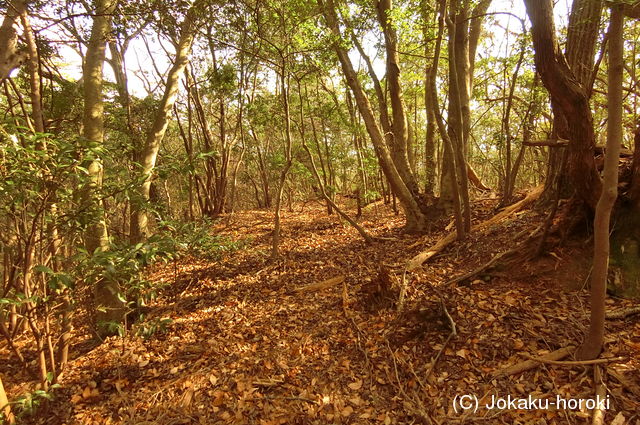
(453, 333)
(623, 313)
(319, 286)
(552, 143)
(422, 257)
(482, 268)
(532, 364)
(574, 363)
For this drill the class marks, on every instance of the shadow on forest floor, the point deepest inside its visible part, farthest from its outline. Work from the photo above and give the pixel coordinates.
(246, 347)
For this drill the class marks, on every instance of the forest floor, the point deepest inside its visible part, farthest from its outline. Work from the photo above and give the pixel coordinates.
(249, 344)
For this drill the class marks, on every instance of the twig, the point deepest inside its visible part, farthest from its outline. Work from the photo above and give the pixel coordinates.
(601, 392)
(293, 398)
(451, 322)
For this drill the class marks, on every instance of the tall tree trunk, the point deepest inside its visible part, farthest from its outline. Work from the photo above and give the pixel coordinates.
(398, 114)
(569, 96)
(464, 35)
(429, 105)
(108, 303)
(275, 241)
(593, 342)
(416, 220)
(140, 221)
(582, 35)
(448, 156)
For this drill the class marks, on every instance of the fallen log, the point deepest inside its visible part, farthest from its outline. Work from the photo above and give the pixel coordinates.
(422, 257)
(475, 179)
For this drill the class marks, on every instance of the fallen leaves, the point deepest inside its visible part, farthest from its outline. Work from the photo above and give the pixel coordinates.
(253, 342)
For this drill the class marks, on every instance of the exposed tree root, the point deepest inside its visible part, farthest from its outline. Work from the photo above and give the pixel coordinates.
(422, 257)
(575, 363)
(532, 364)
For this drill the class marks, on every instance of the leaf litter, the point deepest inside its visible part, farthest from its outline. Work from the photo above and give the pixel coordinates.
(314, 339)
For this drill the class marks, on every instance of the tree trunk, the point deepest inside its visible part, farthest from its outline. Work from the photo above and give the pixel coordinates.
(139, 222)
(399, 131)
(448, 157)
(275, 241)
(10, 57)
(416, 220)
(569, 96)
(108, 304)
(592, 345)
(5, 407)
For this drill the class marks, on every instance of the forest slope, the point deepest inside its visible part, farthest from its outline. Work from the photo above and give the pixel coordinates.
(247, 345)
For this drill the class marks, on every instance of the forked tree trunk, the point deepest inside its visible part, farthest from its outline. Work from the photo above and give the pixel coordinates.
(399, 131)
(582, 35)
(569, 96)
(592, 345)
(139, 219)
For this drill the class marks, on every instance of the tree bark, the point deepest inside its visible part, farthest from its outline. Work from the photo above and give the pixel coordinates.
(108, 304)
(399, 130)
(140, 221)
(582, 35)
(416, 220)
(592, 345)
(569, 96)
(10, 56)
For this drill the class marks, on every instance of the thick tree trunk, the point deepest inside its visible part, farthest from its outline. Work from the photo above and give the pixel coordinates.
(634, 191)
(139, 222)
(569, 96)
(582, 35)
(593, 342)
(5, 407)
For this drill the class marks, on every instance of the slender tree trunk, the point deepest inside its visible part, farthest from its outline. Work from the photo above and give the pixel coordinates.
(592, 345)
(275, 241)
(108, 304)
(448, 156)
(416, 220)
(140, 221)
